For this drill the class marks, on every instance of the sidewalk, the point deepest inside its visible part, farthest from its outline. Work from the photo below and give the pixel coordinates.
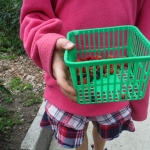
(139, 140)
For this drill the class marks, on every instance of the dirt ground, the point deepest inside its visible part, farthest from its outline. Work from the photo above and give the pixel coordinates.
(21, 67)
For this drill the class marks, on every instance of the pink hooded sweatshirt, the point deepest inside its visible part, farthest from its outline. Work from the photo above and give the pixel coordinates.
(42, 22)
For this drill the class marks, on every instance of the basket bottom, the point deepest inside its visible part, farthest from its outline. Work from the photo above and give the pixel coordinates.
(122, 90)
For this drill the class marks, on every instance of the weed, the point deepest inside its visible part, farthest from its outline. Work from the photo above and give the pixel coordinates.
(30, 98)
(16, 84)
(8, 99)
(3, 89)
(7, 56)
(25, 93)
(7, 120)
(5, 93)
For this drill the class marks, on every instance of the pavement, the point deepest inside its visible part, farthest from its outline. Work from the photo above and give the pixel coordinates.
(43, 139)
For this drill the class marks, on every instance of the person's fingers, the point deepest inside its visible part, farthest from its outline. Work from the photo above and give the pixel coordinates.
(61, 73)
(64, 84)
(69, 80)
(66, 87)
(70, 96)
(63, 80)
(63, 43)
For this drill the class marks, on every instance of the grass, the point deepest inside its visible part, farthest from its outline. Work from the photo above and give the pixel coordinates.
(8, 120)
(31, 99)
(16, 90)
(7, 56)
(24, 91)
(16, 85)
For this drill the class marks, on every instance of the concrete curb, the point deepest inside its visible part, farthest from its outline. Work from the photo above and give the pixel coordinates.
(36, 137)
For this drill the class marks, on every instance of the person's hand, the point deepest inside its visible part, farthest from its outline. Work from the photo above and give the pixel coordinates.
(60, 71)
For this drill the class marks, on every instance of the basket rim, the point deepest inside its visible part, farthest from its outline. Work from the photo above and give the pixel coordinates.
(110, 28)
(105, 61)
(108, 61)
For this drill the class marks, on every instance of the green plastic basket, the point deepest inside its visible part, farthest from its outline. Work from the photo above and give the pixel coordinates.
(131, 64)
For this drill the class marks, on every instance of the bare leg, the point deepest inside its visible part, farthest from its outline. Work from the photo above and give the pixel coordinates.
(99, 143)
(84, 145)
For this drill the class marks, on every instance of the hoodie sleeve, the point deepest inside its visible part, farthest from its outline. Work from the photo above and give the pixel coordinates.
(39, 31)
(140, 108)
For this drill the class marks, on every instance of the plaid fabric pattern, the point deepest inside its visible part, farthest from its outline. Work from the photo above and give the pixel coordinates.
(69, 120)
(109, 132)
(66, 137)
(69, 128)
(115, 117)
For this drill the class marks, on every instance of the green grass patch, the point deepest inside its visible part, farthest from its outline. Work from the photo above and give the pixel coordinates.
(7, 56)
(17, 85)
(31, 98)
(25, 92)
(8, 120)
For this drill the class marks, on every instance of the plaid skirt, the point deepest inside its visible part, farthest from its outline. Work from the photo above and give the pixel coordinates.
(69, 128)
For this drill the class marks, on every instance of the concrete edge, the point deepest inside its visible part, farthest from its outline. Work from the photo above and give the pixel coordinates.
(37, 138)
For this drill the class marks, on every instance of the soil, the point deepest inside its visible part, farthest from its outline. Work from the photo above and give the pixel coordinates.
(23, 68)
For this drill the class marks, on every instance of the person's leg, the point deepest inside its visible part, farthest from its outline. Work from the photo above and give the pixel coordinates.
(84, 145)
(99, 143)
